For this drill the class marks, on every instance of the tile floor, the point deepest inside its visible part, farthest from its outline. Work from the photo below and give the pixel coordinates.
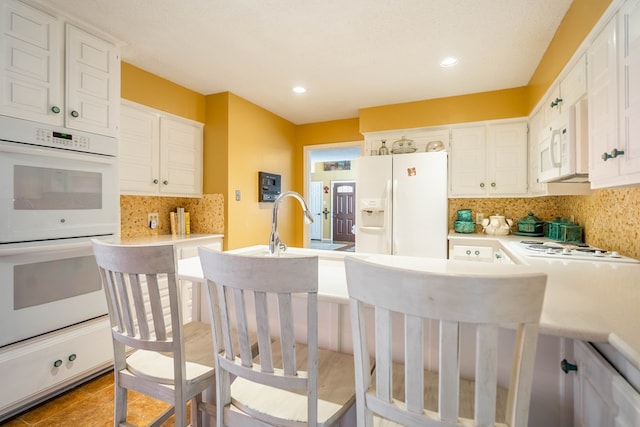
(89, 405)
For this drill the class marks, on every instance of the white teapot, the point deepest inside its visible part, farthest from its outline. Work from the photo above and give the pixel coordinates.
(497, 225)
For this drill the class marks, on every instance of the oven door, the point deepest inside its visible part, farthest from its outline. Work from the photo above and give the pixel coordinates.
(47, 288)
(49, 193)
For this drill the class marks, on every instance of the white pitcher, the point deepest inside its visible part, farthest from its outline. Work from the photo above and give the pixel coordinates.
(497, 225)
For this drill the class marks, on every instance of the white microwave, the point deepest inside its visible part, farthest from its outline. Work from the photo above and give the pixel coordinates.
(563, 147)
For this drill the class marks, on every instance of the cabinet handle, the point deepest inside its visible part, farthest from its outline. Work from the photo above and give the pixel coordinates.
(155, 181)
(493, 185)
(165, 182)
(568, 367)
(482, 185)
(75, 114)
(556, 102)
(57, 363)
(72, 357)
(55, 109)
(614, 153)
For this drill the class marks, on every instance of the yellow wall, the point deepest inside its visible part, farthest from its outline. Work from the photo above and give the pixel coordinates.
(258, 140)
(499, 104)
(148, 89)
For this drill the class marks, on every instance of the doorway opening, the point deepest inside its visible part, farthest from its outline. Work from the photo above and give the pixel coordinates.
(330, 189)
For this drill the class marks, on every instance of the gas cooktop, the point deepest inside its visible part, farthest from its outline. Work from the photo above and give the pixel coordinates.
(577, 251)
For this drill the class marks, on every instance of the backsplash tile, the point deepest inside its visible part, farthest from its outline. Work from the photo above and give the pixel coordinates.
(206, 214)
(610, 218)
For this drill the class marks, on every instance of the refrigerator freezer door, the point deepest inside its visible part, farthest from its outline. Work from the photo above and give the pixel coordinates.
(420, 204)
(373, 204)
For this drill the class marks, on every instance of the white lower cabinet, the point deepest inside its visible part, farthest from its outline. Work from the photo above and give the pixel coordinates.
(602, 397)
(33, 369)
(471, 253)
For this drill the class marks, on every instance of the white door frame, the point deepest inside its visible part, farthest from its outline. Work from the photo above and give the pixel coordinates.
(315, 205)
(307, 150)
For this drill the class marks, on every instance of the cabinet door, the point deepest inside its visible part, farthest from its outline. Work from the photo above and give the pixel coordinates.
(180, 157)
(92, 83)
(139, 166)
(629, 77)
(30, 64)
(574, 85)
(551, 105)
(507, 159)
(468, 170)
(603, 105)
(536, 125)
(593, 399)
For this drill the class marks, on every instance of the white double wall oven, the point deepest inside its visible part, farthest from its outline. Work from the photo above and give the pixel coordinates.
(58, 190)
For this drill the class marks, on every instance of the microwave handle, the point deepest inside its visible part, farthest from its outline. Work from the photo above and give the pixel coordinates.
(556, 132)
(60, 154)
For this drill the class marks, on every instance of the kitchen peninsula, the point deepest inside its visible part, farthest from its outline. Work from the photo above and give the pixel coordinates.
(583, 302)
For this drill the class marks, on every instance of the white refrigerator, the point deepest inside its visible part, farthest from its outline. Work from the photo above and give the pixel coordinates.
(401, 204)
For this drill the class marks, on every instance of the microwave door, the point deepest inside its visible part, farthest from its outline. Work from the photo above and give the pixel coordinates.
(550, 160)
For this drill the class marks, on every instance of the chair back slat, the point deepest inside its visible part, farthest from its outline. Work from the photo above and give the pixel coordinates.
(287, 339)
(264, 341)
(414, 362)
(486, 374)
(383, 356)
(139, 307)
(482, 301)
(449, 371)
(242, 327)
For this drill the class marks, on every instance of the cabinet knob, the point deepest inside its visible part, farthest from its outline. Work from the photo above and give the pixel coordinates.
(482, 185)
(468, 252)
(614, 153)
(568, 367)
(155, 181)
(493, 185)
(75, 114)
(477, 253)
(57, 363)
(72, 357)
(55, 109)
(165, 182)
(556, 102)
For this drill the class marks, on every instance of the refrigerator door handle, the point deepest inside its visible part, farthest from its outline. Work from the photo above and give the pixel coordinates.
(391, 206)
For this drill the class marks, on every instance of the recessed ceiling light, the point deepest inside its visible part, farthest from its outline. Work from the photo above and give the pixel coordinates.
(299, 89)
(449, 62)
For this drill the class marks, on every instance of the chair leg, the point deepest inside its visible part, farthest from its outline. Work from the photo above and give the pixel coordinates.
(120, 403)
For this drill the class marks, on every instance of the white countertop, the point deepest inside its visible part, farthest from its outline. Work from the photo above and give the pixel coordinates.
(588, 301)
(585, 300)
(167, 238)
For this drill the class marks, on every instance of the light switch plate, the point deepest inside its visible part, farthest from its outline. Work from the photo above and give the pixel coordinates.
(238, 195)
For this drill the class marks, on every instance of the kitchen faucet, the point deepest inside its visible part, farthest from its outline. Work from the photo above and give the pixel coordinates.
(275, 244)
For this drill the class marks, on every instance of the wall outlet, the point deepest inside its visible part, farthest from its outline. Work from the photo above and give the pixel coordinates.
(153, 220)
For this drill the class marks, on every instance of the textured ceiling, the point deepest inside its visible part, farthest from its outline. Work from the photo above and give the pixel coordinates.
(349, 54)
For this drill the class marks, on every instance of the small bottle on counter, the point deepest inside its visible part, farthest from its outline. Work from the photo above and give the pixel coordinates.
(383, 150)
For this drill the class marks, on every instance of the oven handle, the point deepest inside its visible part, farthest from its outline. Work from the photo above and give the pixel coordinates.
(35, 248)
(61, 154)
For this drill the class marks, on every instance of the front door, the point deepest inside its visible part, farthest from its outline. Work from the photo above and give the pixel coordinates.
(344, 204)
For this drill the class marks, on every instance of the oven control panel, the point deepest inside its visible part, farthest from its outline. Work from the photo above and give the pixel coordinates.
(62, 140)
(27, 132)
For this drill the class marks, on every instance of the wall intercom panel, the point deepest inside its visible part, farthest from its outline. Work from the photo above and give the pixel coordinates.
(269, 186)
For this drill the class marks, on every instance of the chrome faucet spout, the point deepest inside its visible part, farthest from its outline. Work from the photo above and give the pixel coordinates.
(275, 244)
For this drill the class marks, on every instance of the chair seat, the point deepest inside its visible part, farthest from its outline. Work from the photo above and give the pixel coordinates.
(336, 379)
(158, 368)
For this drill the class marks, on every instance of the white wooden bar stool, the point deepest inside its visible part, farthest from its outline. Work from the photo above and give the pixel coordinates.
(487, 301)
(159, 366)
(288, 383)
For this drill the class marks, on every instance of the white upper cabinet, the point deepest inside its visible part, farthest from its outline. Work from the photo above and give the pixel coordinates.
(614, 101)
(92, 83)
(489, 160)
(566, 92)
(160, 154)
(37, 48)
